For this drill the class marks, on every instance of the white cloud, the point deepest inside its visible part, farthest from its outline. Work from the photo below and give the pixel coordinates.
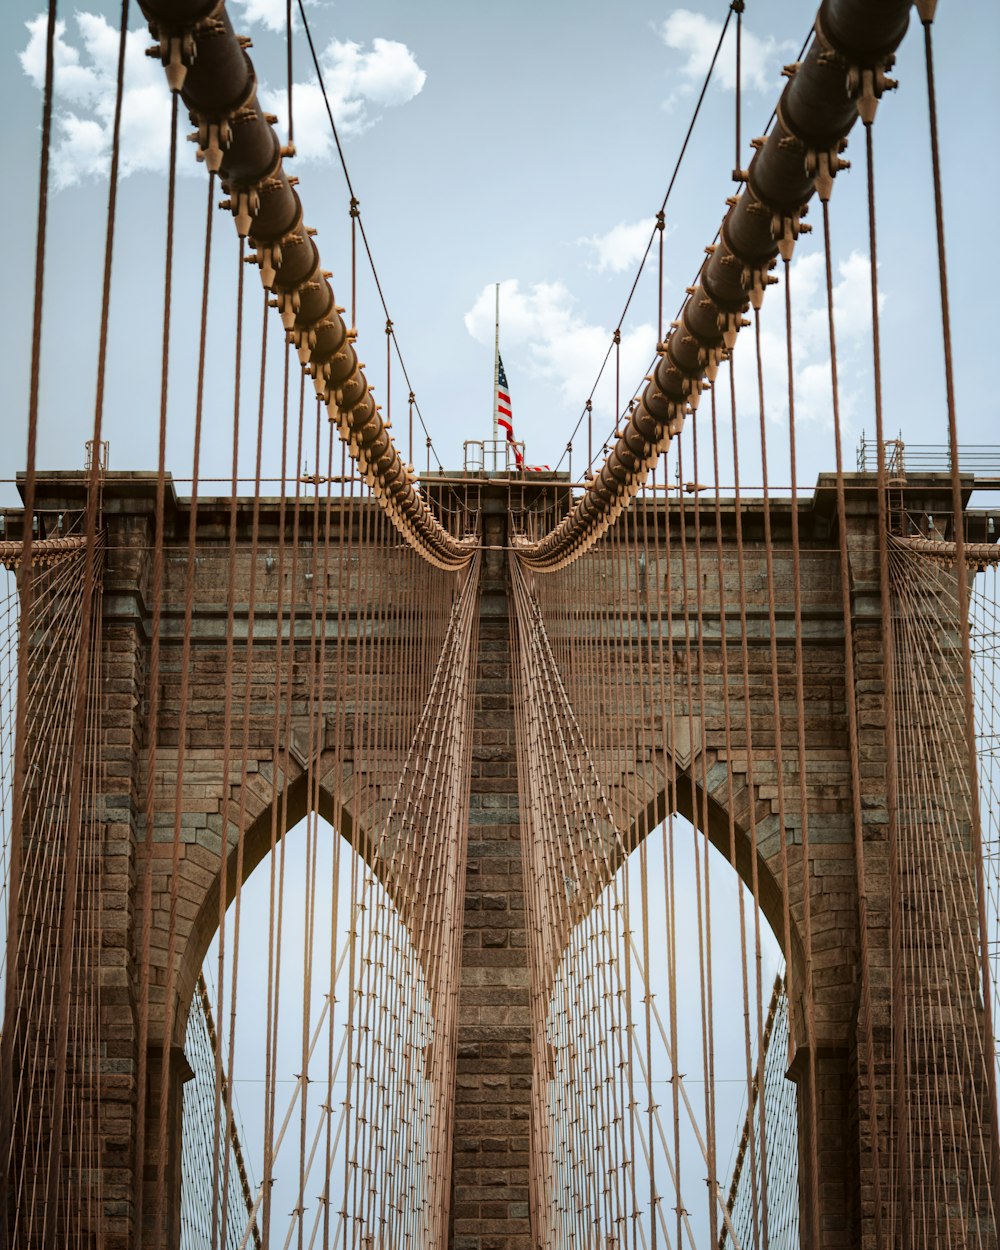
(811, 342)
(559, 346)
(695, 37)
(543, 328)
(386, 76)
(84, 99)
(359, 82)
(269, 13)
(621, 247)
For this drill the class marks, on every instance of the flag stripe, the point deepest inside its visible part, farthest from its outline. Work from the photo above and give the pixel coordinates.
(504, 416)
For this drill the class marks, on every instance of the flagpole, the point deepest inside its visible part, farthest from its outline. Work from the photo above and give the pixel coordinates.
(496, 365)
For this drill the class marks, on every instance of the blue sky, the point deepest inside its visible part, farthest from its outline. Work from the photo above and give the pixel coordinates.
(523, 143)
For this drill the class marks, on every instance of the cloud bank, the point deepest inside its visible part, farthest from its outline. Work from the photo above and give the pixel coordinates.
(271, 14)
(621, 247)
(84, 99)
(546, 338)
(695, 36)
(810, 338)
(361, 83)
(555, 344)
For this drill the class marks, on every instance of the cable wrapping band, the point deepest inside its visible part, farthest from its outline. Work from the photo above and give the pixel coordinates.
(842, 76)
(976, 555)
(42, 550)
(206, 62)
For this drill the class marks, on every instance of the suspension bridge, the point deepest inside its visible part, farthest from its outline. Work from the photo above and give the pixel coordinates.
(626, 848)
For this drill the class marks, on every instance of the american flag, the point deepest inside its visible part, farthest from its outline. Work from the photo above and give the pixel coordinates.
(504, 414)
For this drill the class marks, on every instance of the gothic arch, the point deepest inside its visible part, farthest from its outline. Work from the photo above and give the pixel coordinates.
(693, 803)
(293, 805)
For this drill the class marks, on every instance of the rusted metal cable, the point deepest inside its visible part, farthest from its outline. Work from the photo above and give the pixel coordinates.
(226, 797)
(43, 550)
(656, 230)
(153, 708)
(241, 818)
(206, 63)
(926, 9)
(899, 1181)
(805, 864)
(234, 1136)
(975, 555)
(25, 576)
(853, 48)
(851, 701)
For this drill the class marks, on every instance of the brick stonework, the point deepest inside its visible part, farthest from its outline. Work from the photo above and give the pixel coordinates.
(490, 1175)
(493, 1094)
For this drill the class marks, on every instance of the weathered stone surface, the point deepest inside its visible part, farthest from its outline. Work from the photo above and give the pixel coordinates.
(494, 1047)
(735, 780)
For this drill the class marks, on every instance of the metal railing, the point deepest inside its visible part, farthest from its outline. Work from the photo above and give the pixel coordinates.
(974, 459)
(493, 455)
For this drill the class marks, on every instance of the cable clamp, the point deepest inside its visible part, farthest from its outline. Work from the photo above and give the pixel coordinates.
(823, 167)
(244, 206)
(866, 87)
(288, 305)
(756, 281)
(730, 324)
(269, 259)
(212, 138)
(786, 230)
(176, 53)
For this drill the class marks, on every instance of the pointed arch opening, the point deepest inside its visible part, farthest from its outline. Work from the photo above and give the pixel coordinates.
(661, 1051)
(321, 1062)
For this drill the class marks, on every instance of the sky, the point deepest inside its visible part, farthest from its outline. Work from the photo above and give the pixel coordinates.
(529, 145)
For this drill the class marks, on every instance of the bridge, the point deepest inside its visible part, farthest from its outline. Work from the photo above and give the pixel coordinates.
(490, 859)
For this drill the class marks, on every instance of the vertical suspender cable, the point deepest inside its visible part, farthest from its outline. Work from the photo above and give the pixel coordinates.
(71, 853)
(274, 901)
(901, 1181)
(244, 761)
(143, 1046)
(152, 727)
(738, 7)
(926, 10)
(25, 574)
(409, 458)
(227, 732)
(288, 68)
(850, 699)
(800, 726)
(660, 229)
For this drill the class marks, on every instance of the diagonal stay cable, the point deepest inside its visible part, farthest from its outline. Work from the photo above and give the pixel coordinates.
(762, 220)
(645, 256)
(361, 224)
(663, 205)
